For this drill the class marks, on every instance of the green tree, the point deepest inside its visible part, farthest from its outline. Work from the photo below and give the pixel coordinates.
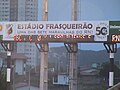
(104, 72)
(3, 83)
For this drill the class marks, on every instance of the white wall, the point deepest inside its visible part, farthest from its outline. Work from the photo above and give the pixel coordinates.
(4, 10)
(62, 79)
(19, 68)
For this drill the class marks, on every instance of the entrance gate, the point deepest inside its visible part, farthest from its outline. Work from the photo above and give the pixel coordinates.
(69, 32)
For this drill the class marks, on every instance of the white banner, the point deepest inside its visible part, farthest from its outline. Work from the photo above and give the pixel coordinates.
(100, 29)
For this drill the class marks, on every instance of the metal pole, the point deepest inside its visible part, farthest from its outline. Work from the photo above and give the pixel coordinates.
(72, 49)
(111, 73)
(45, 10)
(29, 77)
(73, 72)
(8, 67)
(8, 47)
(44, 54)
(74, 10)
(13, 77)
(43, 48)
(44, 71)
(73, 54)
(111, 49)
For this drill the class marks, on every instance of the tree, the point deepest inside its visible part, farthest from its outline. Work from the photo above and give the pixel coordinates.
(3, 83)
(104, 72)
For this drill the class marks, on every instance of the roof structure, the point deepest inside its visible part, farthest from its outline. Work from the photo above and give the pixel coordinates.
(89, 72)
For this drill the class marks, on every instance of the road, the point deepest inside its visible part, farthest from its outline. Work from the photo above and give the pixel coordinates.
(36, 88)
(27, 88)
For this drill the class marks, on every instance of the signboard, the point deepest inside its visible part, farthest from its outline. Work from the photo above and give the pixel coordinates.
(56, 31)
(115, 31)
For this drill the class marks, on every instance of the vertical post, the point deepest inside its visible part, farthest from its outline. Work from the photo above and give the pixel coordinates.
(8, 46)
(8, 69)
(13, 75)
(8, 66)
(72, 49)
(29, 77)
(43, 48)
(111, 73)
(74, 10)
(111, 49)
(79, 10)
(44, 71)
(73, 72)
(73, 52)
(45, 10)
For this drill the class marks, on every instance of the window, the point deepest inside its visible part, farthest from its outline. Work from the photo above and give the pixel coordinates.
(6, 7)
(6, 3)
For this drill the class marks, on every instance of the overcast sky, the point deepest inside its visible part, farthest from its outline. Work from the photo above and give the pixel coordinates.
(92, 10)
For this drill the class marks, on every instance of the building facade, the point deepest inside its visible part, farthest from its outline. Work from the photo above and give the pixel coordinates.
(4, 10)
(21, 10)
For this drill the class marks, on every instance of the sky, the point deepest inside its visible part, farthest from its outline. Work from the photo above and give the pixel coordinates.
(89, 10)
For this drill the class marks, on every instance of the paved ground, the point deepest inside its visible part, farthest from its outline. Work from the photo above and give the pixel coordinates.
(35, 88)
(27, 88)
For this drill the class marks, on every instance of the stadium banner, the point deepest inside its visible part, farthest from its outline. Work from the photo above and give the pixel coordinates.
(53, 30)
